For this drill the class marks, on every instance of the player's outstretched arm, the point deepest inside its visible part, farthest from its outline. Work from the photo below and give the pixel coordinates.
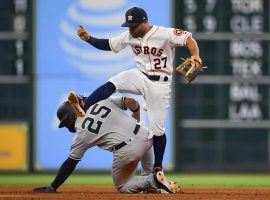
(193, 49)
(102, 44)
(64, 172)
(134, 106)
(192, 66)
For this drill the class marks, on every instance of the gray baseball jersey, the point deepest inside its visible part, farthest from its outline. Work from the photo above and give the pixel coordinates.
(107, 126)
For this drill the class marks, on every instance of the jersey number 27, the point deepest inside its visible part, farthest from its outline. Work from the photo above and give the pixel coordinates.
(160, 63)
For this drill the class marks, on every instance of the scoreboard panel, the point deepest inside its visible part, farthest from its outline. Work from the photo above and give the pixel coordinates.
(16, 55)
(16, 38)
(224, 114)
(17, 74)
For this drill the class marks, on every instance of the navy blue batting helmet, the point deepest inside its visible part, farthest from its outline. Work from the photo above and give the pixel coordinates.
(67, 116)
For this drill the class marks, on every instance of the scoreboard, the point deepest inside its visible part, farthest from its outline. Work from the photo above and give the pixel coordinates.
(16, 84)
(16, 59)
(222, 119)
(15, 37)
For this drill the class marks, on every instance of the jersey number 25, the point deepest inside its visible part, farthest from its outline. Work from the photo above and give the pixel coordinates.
(94, 125)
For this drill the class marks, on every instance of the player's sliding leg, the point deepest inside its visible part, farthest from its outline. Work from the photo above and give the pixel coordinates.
(138, 184)
(147, 162)
(123, 171)
(156, 181)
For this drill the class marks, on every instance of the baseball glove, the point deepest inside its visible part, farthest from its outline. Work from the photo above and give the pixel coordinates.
(190, 68)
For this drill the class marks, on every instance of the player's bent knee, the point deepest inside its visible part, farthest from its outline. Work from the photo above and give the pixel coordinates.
(111, 85)
(120, 189)
(157, 130)
(124, 189)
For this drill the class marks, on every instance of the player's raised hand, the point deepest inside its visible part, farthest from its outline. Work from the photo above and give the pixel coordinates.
(82, 33)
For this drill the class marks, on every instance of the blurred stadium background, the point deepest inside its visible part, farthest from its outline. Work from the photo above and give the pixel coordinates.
(218, 124)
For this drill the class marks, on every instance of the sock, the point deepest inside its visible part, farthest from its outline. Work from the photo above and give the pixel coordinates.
(101, 93)
(159, 149)
(65, 170)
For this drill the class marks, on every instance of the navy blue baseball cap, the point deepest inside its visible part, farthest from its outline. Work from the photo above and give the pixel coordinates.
(134, 16)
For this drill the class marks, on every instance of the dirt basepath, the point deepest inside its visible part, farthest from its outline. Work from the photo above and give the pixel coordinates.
(109, 193)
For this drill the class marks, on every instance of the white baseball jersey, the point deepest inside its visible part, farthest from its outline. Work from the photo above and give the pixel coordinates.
(155, 51)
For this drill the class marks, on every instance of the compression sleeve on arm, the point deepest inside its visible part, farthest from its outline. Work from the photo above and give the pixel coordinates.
(102, 44)
(65, 170)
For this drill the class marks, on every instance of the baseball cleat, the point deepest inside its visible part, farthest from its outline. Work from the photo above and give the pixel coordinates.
(74, 102)
(163, 183)
(45, 189)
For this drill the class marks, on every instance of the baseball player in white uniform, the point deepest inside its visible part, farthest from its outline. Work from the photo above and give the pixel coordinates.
(154, 48)
(107, 126)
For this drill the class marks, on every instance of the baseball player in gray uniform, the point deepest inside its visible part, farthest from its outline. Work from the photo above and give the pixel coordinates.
(107, 126)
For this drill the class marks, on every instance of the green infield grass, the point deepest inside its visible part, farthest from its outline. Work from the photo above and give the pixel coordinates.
(248, 180)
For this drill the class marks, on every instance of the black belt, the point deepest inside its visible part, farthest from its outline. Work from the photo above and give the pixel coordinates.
(122, 144)
(155, 77)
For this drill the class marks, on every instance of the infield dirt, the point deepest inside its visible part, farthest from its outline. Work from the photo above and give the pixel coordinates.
(109, 193)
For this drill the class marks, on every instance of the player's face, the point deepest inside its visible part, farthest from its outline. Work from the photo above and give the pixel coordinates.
(137, 31)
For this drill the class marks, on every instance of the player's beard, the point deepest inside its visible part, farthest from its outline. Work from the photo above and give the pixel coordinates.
(140, 34)
(134, 35)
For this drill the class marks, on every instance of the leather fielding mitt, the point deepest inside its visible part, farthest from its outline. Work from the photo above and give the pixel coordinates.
(190, 68)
